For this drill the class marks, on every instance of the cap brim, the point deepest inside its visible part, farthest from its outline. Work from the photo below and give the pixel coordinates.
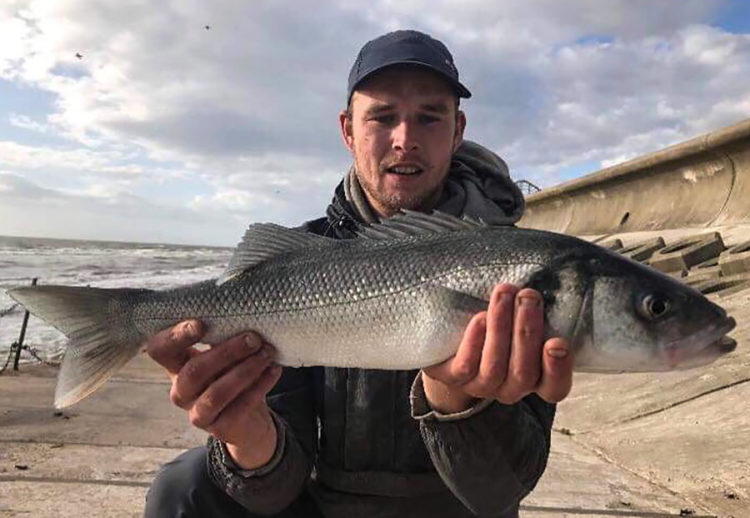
(460, 89)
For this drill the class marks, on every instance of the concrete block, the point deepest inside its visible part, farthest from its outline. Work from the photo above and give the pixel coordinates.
(722, 285)
(613, 244)
(696, 278)
(704, 271)
(688, 252)
(740, 286)
(735, 259)
(643, 250)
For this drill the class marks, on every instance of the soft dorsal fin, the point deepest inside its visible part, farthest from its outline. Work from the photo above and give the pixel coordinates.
(264, 241)
(412, 223)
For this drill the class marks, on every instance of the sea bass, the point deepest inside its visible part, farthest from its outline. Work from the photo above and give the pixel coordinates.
(397, 297)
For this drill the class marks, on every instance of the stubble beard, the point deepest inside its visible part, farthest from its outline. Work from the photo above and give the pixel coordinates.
(388, 204)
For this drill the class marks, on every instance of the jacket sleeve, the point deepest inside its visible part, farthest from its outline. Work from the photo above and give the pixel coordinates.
(490, 456)
(271, 488)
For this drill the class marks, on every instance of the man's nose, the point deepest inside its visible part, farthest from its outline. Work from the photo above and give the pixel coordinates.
(404, 136)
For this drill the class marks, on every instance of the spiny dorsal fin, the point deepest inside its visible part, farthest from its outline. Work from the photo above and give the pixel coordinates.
(264, 241)
(412, 223)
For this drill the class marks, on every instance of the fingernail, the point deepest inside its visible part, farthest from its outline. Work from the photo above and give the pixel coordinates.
(252, 342)
(530, 302)
(482, 322)
(557, 353)
(189, 328)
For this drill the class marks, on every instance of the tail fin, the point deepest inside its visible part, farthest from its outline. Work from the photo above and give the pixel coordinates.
(97, 322)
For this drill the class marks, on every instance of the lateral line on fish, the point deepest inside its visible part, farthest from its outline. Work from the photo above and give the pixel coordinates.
(431, 280)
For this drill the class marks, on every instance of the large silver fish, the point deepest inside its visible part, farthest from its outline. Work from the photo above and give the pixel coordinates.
(398, 297)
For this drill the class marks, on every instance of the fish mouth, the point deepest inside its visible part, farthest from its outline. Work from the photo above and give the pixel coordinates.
(726, 344)
(702, 347)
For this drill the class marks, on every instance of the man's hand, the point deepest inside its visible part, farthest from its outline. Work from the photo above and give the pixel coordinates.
(502, 356)
(223, 388)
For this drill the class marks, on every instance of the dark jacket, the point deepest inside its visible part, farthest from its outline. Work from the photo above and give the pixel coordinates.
(366, 442)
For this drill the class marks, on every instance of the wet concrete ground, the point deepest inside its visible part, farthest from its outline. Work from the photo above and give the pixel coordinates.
(635, 445)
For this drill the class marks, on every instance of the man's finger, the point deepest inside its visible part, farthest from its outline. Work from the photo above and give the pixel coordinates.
(465, 364)
(525, 364)
(170, 347)
(207, 366)
(497, 344)
(245, 402)
(557, 371)
(221, 392)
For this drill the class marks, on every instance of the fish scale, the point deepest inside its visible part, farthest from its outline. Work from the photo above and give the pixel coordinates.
(398, 297)
(371, 306)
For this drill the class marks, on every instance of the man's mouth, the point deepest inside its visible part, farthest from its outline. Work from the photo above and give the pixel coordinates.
(404, 169)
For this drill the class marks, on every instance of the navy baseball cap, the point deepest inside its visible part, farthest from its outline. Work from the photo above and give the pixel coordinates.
(404, 47)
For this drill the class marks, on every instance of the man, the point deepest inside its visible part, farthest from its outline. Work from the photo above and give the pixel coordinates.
(467, 437)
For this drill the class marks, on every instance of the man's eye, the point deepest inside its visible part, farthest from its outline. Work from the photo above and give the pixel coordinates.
(426, 119)
(383, 119)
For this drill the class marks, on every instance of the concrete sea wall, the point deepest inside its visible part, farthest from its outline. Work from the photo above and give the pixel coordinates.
(698, 183)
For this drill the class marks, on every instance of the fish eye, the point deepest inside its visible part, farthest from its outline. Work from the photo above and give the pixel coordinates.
(654, 306)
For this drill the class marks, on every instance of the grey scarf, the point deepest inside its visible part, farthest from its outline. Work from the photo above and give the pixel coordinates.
(478, 185)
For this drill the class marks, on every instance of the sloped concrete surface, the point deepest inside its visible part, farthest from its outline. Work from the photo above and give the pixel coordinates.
(580, 481)
(98, 457)
(105, 418)
(55, 499)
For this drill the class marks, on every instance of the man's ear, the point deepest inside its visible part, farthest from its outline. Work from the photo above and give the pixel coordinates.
(345, 123)
(458, 136)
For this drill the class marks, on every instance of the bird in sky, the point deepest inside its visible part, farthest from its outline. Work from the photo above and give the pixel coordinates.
(79, 55)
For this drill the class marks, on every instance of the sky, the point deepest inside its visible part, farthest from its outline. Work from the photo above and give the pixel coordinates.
(183, 121)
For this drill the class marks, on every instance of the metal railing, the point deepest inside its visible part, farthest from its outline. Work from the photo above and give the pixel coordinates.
(527, 187)
(16, 347)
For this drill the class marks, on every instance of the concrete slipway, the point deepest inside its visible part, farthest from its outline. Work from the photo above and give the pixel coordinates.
(636, 445)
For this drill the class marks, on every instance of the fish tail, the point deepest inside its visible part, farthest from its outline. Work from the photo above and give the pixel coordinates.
(98, 324)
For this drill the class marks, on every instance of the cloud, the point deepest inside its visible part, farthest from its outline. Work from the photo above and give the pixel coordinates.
(280, 188)
(29, 209)
(25, 122)
(13, 188)
(79, 159)
(159, 78)
(584, 102)
(239, 121)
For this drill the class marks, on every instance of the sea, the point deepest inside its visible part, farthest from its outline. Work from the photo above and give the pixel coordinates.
(102, 264)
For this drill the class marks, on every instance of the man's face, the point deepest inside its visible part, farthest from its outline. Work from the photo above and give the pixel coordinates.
(403, 130)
